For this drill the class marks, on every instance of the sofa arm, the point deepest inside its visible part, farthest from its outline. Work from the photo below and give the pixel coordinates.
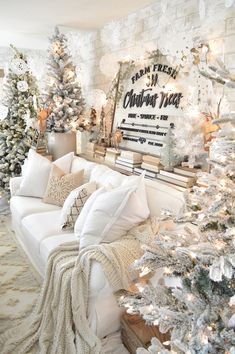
(109, 272)
(15, 185)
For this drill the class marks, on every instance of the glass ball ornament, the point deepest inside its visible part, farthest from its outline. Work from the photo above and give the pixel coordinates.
(19, 66)
(96, 98)
(109, 65)
(228, 3)
(22, 86)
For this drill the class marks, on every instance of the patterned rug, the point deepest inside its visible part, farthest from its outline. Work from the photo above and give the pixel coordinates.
(19, 282)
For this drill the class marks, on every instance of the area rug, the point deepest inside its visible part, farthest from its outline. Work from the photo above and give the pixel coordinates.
(19, 282)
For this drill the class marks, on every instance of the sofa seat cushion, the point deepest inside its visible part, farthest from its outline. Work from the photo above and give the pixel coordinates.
(24, 206)
(38, 227)
(49, 244)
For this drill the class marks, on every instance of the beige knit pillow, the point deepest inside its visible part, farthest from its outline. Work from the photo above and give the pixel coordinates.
(60, 185)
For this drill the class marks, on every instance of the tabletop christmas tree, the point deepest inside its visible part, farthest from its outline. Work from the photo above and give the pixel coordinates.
(189, 140)
(169, 158)
(63, 94)
(17, 128)
(197, 254)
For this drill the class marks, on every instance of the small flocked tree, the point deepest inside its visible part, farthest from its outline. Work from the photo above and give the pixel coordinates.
(200, 309)
(169, 158)
(63, 94)
(17, 131)
(189, 140)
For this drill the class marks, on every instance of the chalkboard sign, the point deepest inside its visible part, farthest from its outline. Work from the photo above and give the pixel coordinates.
(151, 98)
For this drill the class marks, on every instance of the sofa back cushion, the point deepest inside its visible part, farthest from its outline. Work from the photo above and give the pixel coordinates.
(79, 163)
(104, 176)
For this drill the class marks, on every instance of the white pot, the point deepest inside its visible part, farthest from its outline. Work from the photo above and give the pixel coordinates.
(59, 144)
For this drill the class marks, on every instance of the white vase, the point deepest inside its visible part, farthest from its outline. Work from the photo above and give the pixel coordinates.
(59, 144)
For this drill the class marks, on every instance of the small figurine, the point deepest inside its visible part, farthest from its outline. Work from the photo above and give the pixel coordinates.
(116, 138)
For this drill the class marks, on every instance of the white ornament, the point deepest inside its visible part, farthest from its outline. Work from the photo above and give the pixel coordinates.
(28, 121)
(224, 266)
(35, 105)
(22, 86)
(202, 9)
(3, 112)
(228, 3)
(19, 66)
(96, 98)
(232, 301)
(109, 65)
(231, 322)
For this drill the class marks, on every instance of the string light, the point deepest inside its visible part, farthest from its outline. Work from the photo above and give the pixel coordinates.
(219, 245)
(193, 255)
(140, 287)
(145, 271)
(167, 270)
(166, 343)
(204, 339)
(190, 297)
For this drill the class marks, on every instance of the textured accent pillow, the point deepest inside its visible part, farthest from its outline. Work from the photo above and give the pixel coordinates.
(112, 213)
(37, 171)
(74, 203)
(60, 185)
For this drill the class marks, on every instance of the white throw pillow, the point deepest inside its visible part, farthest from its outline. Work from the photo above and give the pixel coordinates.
(113, 213)
(36, 175)
(85, 211)
(74, 203)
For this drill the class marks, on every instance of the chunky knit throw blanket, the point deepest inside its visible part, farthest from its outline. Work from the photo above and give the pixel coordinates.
(59, 322)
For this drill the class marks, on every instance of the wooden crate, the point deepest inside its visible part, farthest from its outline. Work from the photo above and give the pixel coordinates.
(136, 333)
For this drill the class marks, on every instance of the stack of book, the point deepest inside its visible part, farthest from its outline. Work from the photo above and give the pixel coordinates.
(128, 160)
(187, 171)
(150, 164)
(100, 152)
(176, 178)
(111, 155)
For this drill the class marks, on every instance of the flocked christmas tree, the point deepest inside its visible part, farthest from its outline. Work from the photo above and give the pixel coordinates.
(169, 158)
(63, 94)
(17, 128)
(189, 140)
(199, 307)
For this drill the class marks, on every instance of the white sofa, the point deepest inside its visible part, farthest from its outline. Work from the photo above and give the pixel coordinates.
(38, 230)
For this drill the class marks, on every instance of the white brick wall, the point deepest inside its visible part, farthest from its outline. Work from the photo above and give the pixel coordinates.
(143, 29)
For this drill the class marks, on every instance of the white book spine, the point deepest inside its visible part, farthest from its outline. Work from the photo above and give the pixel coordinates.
(176, 176)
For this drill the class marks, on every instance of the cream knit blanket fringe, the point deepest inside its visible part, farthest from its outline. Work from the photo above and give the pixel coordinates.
(59, 323)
